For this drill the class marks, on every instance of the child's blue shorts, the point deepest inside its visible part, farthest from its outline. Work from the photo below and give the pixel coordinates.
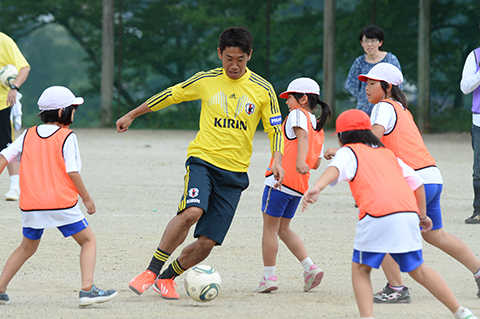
(407, 261)
(278, 204)
(432, 197)
(67, 230)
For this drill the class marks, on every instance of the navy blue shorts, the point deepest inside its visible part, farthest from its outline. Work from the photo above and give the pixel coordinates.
(407, 261)
(278, 204)
(6, 129)
(217, 192)
(434, 211)
(67, 230)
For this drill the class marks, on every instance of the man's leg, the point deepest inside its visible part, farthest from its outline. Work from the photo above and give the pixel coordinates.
(190, 256)
(13, 193)
(475, 218)
(6, 137)
(173, 236)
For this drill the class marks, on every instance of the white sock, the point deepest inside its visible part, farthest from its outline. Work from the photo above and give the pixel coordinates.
(459, 312)
(307, 263)
(269, 271)
(477, 274)
(15, 181)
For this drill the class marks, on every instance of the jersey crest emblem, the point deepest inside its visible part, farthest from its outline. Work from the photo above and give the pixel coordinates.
(193, 192)
(249, 108)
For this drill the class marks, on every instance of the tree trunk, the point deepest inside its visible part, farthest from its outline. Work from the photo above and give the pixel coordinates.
(329, 54)
(423, 99)
(106, 98)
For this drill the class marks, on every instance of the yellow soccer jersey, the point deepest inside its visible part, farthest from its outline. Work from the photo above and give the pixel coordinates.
(9, 54)
(231, 111)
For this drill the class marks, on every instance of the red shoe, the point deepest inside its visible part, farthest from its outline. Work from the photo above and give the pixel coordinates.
(142, 282)
(166, 288)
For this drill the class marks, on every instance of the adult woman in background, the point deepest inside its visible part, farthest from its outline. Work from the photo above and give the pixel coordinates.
(371, 40)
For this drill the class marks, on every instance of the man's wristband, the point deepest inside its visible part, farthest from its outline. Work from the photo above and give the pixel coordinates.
(14, 87)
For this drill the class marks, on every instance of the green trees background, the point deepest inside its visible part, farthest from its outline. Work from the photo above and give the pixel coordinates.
(159, 43)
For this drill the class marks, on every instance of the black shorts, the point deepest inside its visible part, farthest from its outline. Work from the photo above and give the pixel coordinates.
(6, 129)
(217, 192)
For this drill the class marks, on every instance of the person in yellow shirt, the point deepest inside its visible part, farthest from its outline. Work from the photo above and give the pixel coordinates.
(234, 100)
(11, 54)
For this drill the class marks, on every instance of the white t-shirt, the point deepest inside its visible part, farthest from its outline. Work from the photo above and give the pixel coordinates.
(383, 114)
(381, 234)
(71, 154)
(470, 81)
(296, 118)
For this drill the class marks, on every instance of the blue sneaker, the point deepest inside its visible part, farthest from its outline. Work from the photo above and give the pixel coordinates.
(95, 295)
(3, 298)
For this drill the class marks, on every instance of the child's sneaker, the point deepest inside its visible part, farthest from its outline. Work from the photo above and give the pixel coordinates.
(267, 285)
(95, 295)
(312, 278)
(13, 194)
(464, 313)
(3, 298)
(390, 295)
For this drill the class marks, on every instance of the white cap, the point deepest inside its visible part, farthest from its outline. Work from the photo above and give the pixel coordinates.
(57, 97)
(302, 85)
(383, 72)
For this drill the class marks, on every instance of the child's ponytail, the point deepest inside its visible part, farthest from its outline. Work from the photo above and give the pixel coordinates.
(325, 115)
(396, 93)
(313, 101)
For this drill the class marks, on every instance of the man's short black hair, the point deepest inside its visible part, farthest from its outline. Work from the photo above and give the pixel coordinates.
(239, 37)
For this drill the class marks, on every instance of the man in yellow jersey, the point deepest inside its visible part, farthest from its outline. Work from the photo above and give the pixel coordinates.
(10, 54)
(234, 99)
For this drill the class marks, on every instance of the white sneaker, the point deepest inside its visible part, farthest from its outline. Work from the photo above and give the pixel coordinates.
(464, 313)
(312, 278)
(267, 285)
(13, 194)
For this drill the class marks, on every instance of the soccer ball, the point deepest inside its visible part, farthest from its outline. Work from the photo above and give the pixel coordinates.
(202, 283)
(8, 74)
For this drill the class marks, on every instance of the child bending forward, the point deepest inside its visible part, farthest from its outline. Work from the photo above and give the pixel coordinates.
(382, 185)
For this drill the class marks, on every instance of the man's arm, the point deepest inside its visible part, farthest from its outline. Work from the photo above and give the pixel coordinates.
(277, 169)
(470, 77)
(21, 77)
(125, 121)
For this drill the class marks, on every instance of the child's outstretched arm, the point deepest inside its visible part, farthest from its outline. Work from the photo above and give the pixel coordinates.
(82, 191)
(329, 175)
(330, 153)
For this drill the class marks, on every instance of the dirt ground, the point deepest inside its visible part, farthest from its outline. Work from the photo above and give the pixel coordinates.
(136, 180)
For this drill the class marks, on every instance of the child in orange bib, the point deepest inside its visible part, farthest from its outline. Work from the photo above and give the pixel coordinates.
(394, 125)
(50, 182)
(303, 139)
(373, 171)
